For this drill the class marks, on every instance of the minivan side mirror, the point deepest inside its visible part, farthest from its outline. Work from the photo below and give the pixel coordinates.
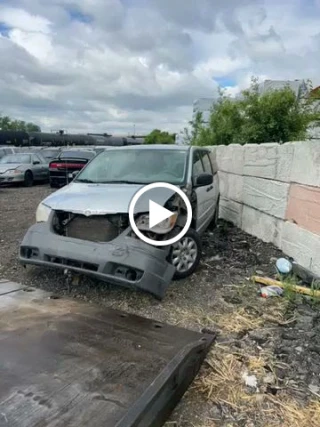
(204, 179)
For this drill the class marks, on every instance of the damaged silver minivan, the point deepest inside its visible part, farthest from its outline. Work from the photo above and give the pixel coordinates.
(84, 227)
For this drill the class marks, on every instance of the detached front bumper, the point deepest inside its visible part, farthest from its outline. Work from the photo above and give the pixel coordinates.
(125, 261)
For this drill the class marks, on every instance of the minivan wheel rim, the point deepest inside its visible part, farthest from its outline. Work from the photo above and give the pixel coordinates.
(184, 254)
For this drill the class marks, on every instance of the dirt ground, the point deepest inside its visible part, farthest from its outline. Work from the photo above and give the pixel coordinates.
(264, 368)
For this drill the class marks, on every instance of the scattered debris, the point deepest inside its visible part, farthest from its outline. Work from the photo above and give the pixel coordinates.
(269, 379)
(250, 380)
(271, 291)
(283, 266)
(294, 288)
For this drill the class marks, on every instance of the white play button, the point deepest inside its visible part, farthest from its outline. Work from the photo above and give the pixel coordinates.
(147, 221)
(157, 214)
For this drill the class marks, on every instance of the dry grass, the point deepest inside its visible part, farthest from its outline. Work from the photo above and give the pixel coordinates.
(238, 321)
(221, 382)
(242, 319)
(221, 379)
(293, 414)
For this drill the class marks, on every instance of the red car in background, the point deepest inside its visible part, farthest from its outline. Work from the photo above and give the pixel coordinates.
(63, 168)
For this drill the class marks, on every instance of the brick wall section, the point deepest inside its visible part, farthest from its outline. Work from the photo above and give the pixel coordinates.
(272, 191)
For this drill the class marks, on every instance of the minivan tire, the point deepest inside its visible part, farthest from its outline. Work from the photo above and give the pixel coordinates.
(189, 245)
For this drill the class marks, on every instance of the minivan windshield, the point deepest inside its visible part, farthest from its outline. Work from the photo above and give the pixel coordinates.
(136, 167)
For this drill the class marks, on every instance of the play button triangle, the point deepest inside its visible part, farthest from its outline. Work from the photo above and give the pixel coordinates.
(157, 213)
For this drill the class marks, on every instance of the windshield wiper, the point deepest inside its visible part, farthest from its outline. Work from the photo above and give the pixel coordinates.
(122, 182)
(86, 181)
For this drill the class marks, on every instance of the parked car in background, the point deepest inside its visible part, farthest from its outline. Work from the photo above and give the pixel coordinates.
(27, 149)
(5, 151)
(50, 153)
(23, 168)
(85, 227)
(68, 162)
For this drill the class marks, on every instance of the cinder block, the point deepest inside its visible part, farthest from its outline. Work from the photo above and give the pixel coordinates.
(261, 160)
(231, 186)
(285, 153)
(230, 158)
(213, 157)
(304, 207)
(306, 163)
(265, 227)
(231, 211)
(302, 245)
(266, 195)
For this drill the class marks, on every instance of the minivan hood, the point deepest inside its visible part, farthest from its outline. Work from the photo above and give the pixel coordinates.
(102, 199)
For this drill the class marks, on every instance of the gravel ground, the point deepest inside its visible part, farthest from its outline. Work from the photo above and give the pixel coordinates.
(276, 340)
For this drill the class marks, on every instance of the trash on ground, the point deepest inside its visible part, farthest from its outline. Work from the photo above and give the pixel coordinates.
(250, 380)
(284, 266)
(295, 288)
(271, 291)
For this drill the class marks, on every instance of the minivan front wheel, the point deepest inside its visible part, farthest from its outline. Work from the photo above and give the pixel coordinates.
(185, 254)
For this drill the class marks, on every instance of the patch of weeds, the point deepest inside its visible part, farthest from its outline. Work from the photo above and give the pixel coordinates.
(294, 297)
(314, 299)
(289, 291)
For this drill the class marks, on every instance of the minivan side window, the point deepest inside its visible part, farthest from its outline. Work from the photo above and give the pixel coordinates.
(197, 166)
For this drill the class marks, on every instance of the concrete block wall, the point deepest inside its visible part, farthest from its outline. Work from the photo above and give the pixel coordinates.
(272, 191)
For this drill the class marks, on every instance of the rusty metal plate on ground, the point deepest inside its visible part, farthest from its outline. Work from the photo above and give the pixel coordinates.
(65, 363)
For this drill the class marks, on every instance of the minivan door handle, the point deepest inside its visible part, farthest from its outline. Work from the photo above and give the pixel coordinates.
(210, 188)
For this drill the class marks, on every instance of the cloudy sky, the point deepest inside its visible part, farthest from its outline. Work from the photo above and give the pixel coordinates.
(105, 65)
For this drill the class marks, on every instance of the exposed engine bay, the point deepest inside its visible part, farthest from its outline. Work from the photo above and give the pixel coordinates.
(95, 228)
(105, 228)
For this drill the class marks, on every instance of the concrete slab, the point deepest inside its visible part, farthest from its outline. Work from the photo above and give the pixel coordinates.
(231, 186)
(266, 195)
(230, 158)
(261, 225)
(302, 245)
(261, 160)
(231, 211)
(306, 163)
(304, 207)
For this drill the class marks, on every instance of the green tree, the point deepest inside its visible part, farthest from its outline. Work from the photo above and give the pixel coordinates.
(194, 133)
(6, 123)
(274, 116)
(160, 137)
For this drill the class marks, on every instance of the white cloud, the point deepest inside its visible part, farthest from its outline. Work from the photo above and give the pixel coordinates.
(103, 65)
(37, 44)
(23, 20)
